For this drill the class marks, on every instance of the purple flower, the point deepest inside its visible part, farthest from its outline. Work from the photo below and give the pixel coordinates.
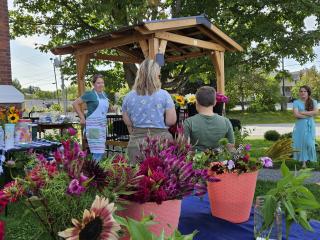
(75, 188)
(72, 131)
(247, 147)
(266, 162)
(231, 164)
(83, 178)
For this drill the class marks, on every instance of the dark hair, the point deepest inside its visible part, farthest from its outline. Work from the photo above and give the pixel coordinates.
(95, 77)
(206, 96)
(309, 102)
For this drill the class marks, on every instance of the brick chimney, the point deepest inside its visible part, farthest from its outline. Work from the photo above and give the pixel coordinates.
(5, 59)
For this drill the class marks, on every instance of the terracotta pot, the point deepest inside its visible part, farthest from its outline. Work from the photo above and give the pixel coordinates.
(231, 198)
(166, 215)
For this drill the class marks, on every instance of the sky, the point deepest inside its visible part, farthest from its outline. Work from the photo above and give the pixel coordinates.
(32, 67)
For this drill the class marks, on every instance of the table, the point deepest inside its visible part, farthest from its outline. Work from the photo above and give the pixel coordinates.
(61, 126)
(196, 215)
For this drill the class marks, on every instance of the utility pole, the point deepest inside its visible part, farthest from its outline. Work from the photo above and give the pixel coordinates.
(55, 63)
(284, 100)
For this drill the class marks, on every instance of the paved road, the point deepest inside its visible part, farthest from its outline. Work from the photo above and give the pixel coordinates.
(258, 130)
(275, 174)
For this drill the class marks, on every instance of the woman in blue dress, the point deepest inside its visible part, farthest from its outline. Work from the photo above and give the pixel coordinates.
(304, 132)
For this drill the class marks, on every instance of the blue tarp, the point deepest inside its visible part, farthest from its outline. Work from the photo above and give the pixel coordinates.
(196, 215)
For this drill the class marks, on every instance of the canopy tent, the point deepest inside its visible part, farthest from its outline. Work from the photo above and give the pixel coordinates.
(175, 39)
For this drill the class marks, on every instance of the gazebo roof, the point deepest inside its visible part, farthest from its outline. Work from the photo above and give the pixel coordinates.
(185, 37)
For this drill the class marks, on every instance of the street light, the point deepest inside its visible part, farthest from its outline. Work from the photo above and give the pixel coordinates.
(55, 78)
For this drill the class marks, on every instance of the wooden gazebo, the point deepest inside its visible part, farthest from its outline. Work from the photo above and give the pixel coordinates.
(176, 39)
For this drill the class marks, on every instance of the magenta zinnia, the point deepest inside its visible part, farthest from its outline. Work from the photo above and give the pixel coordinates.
(97, 223)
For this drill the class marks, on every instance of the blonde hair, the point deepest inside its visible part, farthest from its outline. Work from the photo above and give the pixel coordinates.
(147, 81)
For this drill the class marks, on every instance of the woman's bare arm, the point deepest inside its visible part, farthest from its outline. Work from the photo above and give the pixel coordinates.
(77, 108)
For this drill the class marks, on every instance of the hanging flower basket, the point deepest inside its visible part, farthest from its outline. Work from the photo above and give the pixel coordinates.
(231, 198)
(166, 215)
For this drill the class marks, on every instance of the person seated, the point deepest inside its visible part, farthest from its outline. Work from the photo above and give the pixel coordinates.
(206, 128)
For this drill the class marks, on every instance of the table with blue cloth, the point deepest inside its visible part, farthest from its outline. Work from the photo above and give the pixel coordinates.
(196, 215)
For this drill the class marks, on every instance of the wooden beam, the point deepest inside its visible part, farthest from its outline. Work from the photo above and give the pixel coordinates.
(144, 47)
(176, 48)
(128, 52)
(216, 39)
(162, 47)
(153, 47)
(111, 43)
(218, 63)
(115, 58)
(81, 64)
(189, 41)
(172, 24)
(193, 33)
(187, 56)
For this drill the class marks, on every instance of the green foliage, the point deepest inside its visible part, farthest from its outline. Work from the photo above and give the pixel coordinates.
(138, 230)
(241, 135)
(296, 200)
(60, 207)
(56, 107)
(286, 135)
(271, 135)
(261, 27)
(311, 78)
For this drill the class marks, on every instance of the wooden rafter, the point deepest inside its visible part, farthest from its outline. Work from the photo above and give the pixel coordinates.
(168, 25)
(144, 48)
(187, 56)
(115, 58)
(112, 43)
(188, 41)
(176, 48)
(213, 37)
(125, 50)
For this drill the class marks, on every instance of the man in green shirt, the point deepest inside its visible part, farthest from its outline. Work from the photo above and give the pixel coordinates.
(206, 128)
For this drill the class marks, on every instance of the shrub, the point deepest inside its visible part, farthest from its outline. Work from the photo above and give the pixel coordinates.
(286, 135)
(272, 135)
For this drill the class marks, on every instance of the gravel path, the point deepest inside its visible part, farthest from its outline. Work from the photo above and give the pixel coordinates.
(275, 174)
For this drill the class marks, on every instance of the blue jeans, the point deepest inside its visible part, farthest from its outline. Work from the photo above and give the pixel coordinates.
(97, 156)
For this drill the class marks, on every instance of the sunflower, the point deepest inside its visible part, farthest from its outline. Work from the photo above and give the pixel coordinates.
(13, 118)
(98, 223)
(180, 100)
(190, 98)
(12, 109)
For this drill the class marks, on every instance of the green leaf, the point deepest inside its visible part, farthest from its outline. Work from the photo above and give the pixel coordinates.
(289, 208)
(269, 209)
(284, 169)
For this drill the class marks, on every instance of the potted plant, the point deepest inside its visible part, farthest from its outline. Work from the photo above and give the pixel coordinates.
(294, 199)
(166, 176)
(100, 222)
(231, 197)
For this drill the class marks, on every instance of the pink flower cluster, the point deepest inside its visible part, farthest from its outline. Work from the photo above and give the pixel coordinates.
(221, 98)
(166, 174)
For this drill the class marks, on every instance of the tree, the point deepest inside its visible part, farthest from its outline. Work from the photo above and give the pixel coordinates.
(268, 30)
(311, 78)
(17, 84)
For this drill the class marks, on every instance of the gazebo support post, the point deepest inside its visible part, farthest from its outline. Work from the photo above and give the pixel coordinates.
(82, 64)
(217, 59)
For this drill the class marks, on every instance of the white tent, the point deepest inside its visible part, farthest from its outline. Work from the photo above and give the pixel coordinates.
(9, 94)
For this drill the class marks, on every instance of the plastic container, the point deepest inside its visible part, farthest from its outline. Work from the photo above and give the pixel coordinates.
(23, 133)
(1, 137)
(274, 232)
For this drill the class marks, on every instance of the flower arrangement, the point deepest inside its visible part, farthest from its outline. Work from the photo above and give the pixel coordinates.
(220, 98)
(9, 115)
(166, 172)
(179, 100)
(190, 98)
(226, 159)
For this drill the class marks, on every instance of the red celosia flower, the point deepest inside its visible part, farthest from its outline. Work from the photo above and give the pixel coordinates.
(1, 230)
(13, 190)
(40, 173)
(150, 163)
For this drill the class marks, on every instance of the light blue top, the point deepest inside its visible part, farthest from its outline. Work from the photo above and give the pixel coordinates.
(304, 135)
(147, 111)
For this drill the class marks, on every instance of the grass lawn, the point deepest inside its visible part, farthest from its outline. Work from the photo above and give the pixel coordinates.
(264, 117)
(21, 226)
